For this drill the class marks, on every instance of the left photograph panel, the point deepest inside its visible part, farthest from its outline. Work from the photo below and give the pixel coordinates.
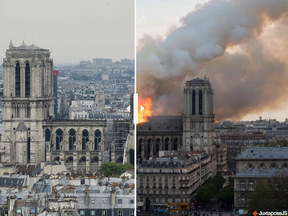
(66, 108)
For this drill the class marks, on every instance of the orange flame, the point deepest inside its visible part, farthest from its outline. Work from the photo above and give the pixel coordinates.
(146, 112)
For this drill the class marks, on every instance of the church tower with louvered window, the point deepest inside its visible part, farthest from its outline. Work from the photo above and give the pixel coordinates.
(27, 101)
(198, 117)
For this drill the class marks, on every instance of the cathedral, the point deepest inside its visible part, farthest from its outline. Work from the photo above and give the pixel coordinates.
(192, 131)
(31, 135)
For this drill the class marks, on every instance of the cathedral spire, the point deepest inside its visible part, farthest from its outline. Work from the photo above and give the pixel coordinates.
(11, 45)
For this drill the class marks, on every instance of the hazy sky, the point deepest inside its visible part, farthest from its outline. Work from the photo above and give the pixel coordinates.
(72, 30)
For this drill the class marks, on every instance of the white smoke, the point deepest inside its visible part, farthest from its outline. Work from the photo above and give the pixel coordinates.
(202, 41)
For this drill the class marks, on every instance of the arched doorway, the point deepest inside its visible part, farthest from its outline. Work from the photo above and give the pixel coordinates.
(131, 154)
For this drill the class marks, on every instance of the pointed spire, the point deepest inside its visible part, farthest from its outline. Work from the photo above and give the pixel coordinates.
(23, 44)
(205, 78)
(11, 45)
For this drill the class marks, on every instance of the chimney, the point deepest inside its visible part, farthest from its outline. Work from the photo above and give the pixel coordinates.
(125, 178)
(112, 196)
(86, 191)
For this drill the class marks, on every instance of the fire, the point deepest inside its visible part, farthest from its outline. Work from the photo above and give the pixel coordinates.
(146, 112)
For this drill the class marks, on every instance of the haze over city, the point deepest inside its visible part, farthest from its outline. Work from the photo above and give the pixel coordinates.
(71, 30)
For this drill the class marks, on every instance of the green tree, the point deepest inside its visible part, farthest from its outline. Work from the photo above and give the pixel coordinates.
(203, 195)
(115, 169)
(227, 194)
(260, 198)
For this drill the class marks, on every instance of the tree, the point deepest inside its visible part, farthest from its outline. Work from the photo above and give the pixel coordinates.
(210, 189)
(260, 198)
(227, 194)
(271, 195)
(115, 169)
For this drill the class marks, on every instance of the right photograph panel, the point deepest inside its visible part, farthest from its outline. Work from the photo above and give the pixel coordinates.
(212, 117)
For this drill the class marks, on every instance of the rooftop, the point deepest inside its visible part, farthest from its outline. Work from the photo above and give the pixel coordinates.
(263, 173)
(256, 153)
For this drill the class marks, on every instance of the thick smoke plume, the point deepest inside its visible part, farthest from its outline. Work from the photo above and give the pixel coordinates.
(240, 45)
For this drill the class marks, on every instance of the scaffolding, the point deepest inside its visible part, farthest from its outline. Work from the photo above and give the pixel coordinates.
(117, 132)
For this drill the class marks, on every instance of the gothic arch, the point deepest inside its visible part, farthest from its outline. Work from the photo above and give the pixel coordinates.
(193, 103)
(149, 141)
(167, 143)
(72, 138)
(82, 159)
(56, 159)
(27, 79)
(95, 159)
(47, 135)
(200, 102)
(59, 138)
(120, 159)
(17, 79)
(158, 145)
(69, 159)
(85, 139)
(97, 139)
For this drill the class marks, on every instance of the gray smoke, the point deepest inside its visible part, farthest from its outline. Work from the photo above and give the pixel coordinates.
(244, 82)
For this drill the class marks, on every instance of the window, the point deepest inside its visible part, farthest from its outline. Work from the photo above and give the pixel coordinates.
(97, 139)
(120, 212)
(17, 80)
(104, 213)
(93, 201)
(82, 181)
(32, 210)
(82, 212)
(27, 80)
(131, 213)
(19, 210)
(167, 143)
(119, 201)
(193, 103)
(132, 201)
(93, 213)
(242, 185)
(200, 102)
(251, 185)
(59, 138)
(85, 139)
(47, 135)
(72, 138)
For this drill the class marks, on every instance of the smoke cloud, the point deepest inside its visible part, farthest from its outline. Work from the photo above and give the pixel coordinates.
(240, 45)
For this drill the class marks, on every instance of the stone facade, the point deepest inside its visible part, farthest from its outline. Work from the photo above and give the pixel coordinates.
(193, 131)
(172, 179)
(221, 157)
(255, 164)
(31, 135)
